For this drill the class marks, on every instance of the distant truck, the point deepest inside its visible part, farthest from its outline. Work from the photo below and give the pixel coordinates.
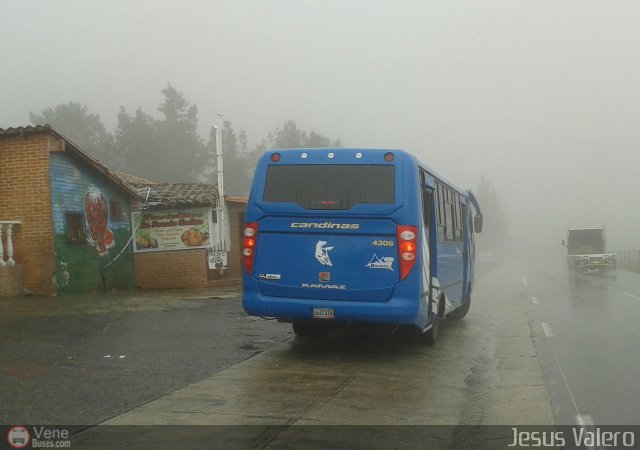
(586, 250)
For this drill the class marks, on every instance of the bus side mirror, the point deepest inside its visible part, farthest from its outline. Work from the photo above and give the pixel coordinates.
(477, 224)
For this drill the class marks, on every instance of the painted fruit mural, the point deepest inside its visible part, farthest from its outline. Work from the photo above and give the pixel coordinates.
(96, 212)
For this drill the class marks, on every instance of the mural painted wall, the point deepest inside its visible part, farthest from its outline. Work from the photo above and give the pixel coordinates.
(91, 221)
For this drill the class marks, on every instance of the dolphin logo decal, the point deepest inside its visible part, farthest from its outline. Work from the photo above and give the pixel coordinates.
(322, 253)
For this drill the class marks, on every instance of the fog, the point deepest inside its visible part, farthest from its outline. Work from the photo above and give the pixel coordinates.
(542, 97)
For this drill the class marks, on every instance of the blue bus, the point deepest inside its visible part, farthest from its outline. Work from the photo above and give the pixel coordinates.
(357, 236)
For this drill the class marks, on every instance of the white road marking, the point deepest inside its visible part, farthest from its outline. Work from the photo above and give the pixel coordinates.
(534, 300)
(524, 281)
(631, 295)
(585, 420)
(579, 416)
(547, 329)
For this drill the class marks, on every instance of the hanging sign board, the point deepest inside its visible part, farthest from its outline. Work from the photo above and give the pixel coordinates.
(172, 229)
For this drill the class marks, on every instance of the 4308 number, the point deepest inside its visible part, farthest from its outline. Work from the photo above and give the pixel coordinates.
(380, 243)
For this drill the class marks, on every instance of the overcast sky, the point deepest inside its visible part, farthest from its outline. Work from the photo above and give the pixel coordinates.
(542, 97)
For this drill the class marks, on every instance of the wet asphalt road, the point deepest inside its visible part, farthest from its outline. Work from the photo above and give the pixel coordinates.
(588, 340)
(82, 360)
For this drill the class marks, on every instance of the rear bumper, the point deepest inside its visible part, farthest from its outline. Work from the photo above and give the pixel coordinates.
(598, 266)
(587, 262)
(398, 310)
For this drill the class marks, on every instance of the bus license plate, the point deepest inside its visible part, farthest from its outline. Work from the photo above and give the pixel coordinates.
(323, 313)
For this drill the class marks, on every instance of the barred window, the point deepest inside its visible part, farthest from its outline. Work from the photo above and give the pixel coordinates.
(75, 227)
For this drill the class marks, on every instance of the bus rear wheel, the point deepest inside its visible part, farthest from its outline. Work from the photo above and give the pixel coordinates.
(311, 329)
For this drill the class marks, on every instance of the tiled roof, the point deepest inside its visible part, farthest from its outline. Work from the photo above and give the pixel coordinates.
(75, 149)
(173, 194)
(180, 194)
(133, 180)
(24, 130)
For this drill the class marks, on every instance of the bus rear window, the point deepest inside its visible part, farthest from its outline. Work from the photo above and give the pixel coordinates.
(330, 186)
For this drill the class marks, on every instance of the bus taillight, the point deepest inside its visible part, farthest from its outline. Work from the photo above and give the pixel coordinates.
(407, 248)
(249, 245)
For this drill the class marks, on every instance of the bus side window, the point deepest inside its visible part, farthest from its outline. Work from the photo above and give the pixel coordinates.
(426, 207)
(458, 218)
(448, 235)
(446, 220)
(450, 227)
(426, 202)
(441, 214)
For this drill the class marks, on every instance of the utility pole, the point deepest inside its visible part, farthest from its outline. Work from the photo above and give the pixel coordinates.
(218, 252)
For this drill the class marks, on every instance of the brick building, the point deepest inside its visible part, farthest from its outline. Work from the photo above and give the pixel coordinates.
(69, 224)
(63, 215)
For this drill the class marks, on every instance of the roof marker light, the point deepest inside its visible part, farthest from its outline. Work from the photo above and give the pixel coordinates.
(388, 157)
(275, 157)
